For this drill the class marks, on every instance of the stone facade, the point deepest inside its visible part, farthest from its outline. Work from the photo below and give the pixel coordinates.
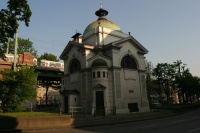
(104, 71)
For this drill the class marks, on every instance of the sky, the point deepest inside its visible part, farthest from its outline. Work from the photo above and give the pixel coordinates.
(169, 29)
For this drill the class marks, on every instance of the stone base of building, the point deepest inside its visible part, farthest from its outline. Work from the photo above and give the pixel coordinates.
(122, 111)
(144, 109)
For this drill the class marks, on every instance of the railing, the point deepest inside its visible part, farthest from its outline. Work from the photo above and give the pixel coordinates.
(74, 110)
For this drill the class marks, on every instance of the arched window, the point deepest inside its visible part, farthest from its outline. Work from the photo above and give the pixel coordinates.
(128, 62)
(75, 66)
(99, 62)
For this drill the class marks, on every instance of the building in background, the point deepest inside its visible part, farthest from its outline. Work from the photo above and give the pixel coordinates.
(104, 70)
(25, 59)
(48, 71)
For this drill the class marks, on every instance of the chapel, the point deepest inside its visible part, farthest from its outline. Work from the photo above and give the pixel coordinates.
(104, 70)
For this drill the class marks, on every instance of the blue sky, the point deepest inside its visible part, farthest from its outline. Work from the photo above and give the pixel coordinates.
(169, 29)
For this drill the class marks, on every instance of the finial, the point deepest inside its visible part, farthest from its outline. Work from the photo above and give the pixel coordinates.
(99, 24)
(101, 13)
(101, 5)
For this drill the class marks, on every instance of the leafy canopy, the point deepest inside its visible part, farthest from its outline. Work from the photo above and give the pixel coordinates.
(16, 87)
(176, 78)
(17, 10)
(48, 56)
(24, 45)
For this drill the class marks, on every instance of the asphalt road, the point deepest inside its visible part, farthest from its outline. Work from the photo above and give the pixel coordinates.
(184, 123)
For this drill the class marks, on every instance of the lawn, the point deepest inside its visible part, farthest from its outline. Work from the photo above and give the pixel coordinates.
(29, 114)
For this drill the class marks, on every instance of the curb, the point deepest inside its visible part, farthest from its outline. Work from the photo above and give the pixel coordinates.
(119, 121)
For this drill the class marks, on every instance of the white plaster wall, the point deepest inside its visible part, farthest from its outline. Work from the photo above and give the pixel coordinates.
(129, 80)
(101, 80)
(62, 103)
(96, 37)
(74, 53)
(73, 100)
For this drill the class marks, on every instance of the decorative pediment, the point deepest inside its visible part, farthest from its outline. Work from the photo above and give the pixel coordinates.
(99, 87)
(99, 56)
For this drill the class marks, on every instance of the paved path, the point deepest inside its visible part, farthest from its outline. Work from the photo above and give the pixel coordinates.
(183, 123)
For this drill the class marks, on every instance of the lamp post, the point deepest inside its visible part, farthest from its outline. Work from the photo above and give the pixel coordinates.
(15, 52)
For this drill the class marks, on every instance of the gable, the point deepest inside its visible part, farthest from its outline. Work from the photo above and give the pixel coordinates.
(134, 42)
(68, 49)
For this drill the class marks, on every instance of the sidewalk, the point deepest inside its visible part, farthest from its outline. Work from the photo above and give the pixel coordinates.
(80, 120)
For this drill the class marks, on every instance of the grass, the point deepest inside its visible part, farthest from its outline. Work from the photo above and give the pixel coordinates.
(29, 114)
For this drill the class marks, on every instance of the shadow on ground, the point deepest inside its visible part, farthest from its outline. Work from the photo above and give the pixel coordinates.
(8, 123)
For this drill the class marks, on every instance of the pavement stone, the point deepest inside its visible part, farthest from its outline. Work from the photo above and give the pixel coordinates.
(80, 120)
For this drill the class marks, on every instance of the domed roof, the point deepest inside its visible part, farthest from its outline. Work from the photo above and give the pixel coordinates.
(102, 22)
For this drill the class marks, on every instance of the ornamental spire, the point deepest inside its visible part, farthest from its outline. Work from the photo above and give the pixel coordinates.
(101, 13)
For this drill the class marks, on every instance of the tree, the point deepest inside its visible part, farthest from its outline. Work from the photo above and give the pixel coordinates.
(149, 80)
(49, 83)
(165, 74)
(48, 56)
(181, 72)
(17, 10)
(2, 51)
(46, 83)
(189, 86)
(24, 45)
(196, 86)
(175, 78)
(16, 87)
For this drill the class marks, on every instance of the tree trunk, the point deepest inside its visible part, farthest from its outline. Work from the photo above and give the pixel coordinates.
(47, 88)
(183, 96)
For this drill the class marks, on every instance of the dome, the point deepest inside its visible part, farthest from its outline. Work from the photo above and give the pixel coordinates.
(103, 23)
(99, 62)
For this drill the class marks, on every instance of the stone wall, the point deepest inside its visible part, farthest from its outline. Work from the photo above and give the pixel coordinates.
(25, 123)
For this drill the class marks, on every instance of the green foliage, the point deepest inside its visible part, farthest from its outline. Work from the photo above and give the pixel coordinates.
(48, 56)
(188, 85)
(24, 45)
(16, 87)
(2, 51)
(174, 78)
(165, 74)
(149, 81)
(17, 10)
